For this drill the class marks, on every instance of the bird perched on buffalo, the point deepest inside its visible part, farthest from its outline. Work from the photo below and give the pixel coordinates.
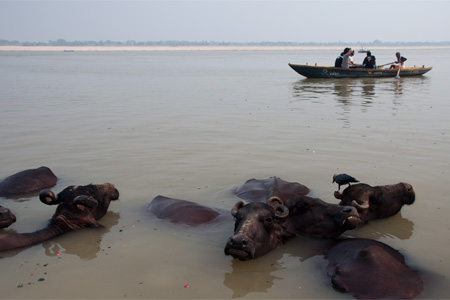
(342, 179)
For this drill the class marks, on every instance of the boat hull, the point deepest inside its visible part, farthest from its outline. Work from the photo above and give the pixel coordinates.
(332, 72)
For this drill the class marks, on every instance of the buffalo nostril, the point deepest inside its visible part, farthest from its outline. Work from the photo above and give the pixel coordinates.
(238, 240)
(350, 210)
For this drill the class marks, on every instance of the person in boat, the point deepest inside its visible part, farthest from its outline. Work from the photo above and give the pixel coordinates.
(400, 61)
(351, 62)
(370, 61)
(345, 58)
(338, 61)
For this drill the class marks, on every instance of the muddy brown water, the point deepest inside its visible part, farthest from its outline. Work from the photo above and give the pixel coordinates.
(194, 125)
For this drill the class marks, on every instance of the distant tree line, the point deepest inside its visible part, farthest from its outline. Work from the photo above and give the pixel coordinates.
(63, 42)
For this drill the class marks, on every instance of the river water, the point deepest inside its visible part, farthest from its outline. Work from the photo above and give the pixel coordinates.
(194, 125)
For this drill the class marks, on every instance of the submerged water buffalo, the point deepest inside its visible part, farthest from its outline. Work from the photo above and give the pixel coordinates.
(27, 181)
(279, 210)
(6, 217)
(260, 190)
(70, 215)
(103, 193)
(369, 269)
(74, 211)
(257, 229)
(261, 227)
(378, 201)
(186, 212)
(314, 217)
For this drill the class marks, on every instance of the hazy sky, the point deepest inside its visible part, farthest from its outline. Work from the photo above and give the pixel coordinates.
(226, 20)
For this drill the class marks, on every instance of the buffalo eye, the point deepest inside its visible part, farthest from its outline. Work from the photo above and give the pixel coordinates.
(269, 220)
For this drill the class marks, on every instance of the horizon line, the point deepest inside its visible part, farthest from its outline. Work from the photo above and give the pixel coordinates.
(63, 42)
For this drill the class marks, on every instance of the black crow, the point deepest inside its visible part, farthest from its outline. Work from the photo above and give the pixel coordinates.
(342, 179)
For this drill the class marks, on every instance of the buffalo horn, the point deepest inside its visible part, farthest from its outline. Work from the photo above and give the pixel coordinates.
(48, 197)
(363, 206)
(281, 211)
(408, 186)
(274, 200)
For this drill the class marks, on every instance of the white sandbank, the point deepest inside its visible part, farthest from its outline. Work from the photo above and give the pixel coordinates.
(197, 48)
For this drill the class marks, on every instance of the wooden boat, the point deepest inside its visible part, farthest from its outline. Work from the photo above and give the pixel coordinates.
(332, 72)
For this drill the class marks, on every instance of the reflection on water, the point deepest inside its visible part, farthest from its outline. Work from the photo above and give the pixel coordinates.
(260, 274)
(392, 227)
(346, 89)
(91, 240)
(69, 243)
(363, 93)
(261, 270)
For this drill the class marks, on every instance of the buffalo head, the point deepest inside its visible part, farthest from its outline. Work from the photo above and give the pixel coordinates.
(314, 217)
(75, 214)
(378, 201)
(102, 193)
(257, 229)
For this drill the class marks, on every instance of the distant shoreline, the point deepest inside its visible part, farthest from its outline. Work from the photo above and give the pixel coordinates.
(198, 48)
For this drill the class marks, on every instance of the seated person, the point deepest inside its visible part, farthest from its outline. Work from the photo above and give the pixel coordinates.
(345, 63)
(351, 63)
(369, 62)
(338, 61)
(400, 61)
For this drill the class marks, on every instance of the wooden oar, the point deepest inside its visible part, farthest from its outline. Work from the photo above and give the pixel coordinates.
(387, 64)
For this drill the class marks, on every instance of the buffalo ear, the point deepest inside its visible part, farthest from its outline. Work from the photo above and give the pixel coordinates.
(338, 195)
(408, 187)
(48, 197)
(86, 201)
(281, 211)
(236, 207)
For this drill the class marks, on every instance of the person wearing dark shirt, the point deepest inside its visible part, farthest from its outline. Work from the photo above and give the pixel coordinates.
(369, 62)
(338, 61)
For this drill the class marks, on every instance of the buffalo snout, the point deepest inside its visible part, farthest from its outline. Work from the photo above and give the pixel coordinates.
(239, 246)
(352, 218)
(256, 229)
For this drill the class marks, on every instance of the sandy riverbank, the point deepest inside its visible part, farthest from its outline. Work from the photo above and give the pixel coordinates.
(197, 48)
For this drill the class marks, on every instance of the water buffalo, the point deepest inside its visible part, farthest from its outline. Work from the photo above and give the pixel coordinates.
(6, 217)
(260, 190)
(378, 201)
(103, 193)
(69, 215)
(261, 227)
(369, 269)
(186, 212)
(314, 217)
(277, 211)
(27, 181)
(193, 215)
(257, 229)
